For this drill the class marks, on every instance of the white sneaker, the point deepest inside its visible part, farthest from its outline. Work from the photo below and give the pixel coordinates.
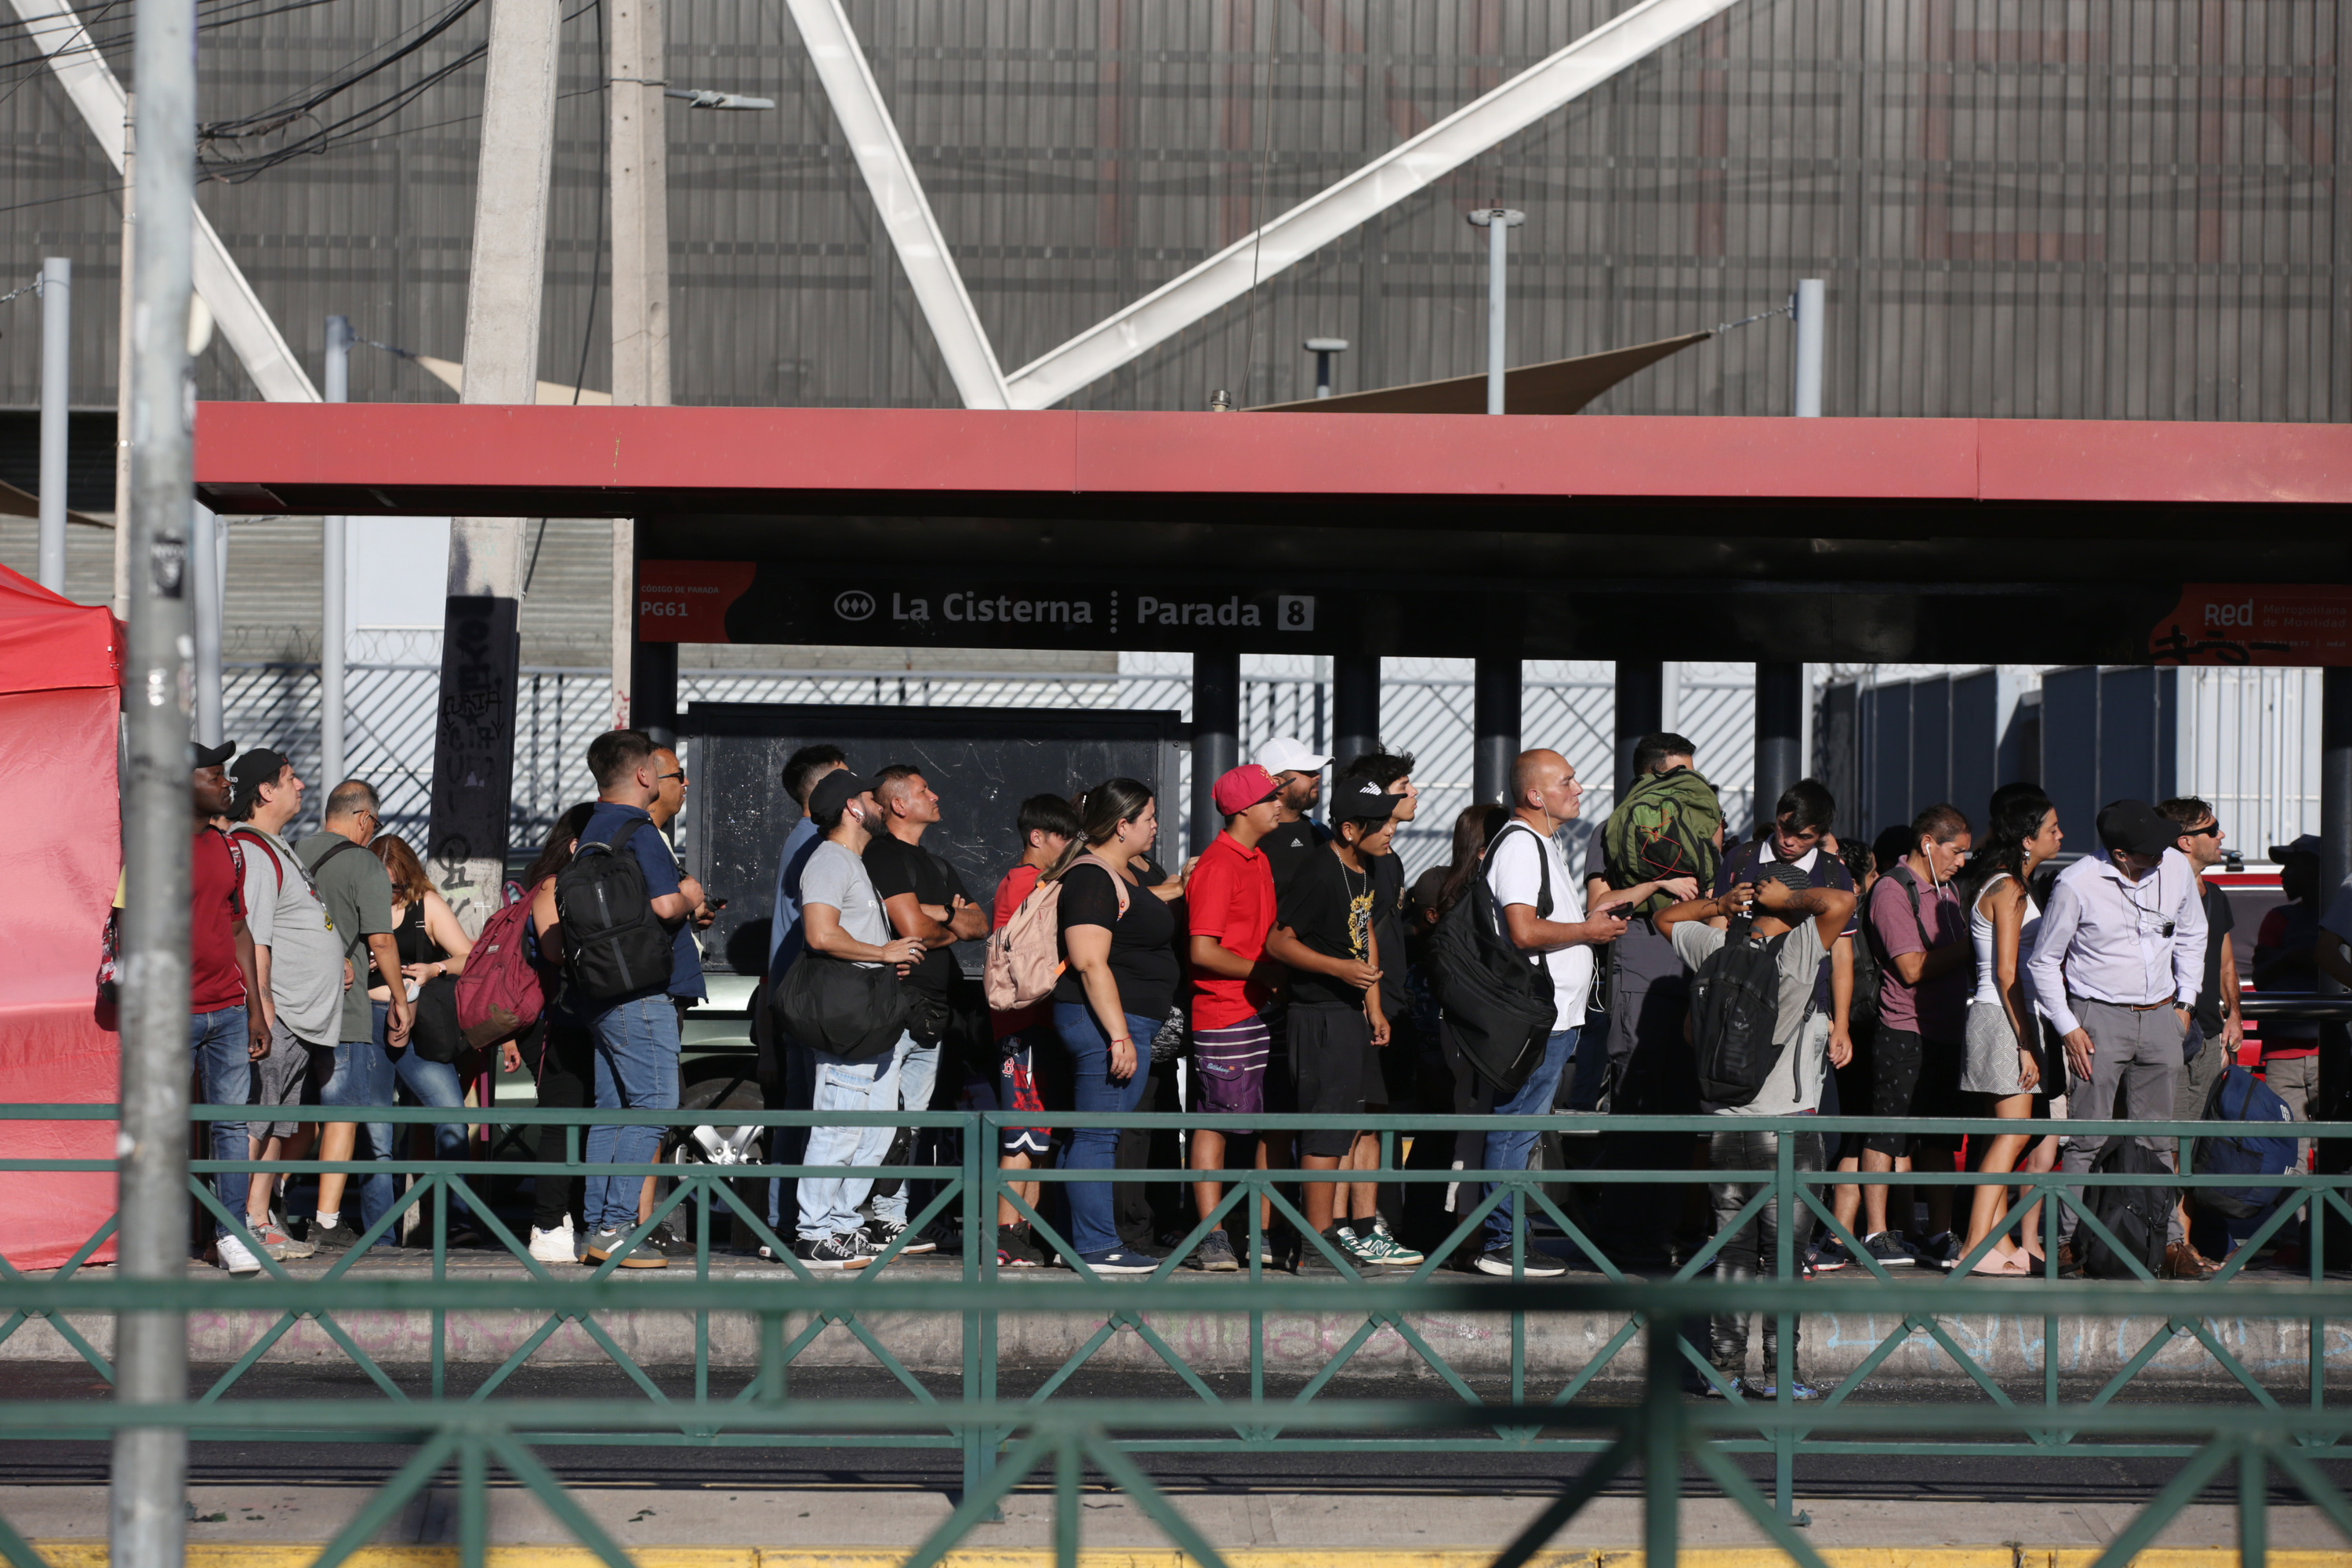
(559, 1245)
(235, 1257)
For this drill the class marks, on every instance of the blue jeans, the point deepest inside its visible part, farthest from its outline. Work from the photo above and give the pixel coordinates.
(1509, 1150)
(435, 1084)
(829, 1204)
(1093, 1228)
(361, 1079)
(917, 1067)
(636, 1069)
(217, 1040)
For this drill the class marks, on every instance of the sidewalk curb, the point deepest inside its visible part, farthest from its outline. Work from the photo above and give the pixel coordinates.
(230, 1554)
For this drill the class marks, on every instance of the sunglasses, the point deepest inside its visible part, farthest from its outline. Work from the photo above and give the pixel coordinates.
(680, 775)
(2212, 827)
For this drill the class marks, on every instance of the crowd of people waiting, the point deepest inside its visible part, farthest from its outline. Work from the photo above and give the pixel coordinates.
(1290, 968)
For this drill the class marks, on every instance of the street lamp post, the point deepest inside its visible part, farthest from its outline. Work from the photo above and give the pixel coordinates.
(1498, 222)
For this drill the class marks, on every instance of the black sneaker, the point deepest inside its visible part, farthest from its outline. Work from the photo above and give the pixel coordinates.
(337, 1237)
(1888, 1249)
(883, 1232)
(1943, 1249)
(665, 1239)
(845, 1250)
(1215, 1255)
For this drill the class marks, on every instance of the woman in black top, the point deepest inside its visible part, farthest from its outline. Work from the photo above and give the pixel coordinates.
(1120, 978)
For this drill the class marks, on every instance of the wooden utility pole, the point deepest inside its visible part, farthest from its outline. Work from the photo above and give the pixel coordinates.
(640, 166)
(473, 753)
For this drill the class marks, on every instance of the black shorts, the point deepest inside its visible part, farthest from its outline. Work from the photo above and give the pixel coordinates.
(1894, 1083)
(1331, 1058)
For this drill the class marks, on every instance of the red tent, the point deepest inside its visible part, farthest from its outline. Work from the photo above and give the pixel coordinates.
(60, 678)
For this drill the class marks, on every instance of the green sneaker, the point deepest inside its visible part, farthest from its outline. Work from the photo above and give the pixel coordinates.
(1379, 1246)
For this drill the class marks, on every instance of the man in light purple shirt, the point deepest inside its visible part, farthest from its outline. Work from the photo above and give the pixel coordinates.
(2117, 964)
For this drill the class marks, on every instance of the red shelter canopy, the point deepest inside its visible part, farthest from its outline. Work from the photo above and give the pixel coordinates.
(61, 676)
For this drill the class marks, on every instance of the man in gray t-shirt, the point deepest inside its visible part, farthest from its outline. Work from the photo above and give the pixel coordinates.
(1782, 905)
(842, 916)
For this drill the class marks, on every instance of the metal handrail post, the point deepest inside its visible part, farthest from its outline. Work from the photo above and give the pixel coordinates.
(1787, 1206)
(977, 1237)
(1661, 1442)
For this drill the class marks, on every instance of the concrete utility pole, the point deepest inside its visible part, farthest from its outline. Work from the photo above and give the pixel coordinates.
(122, 358)
(334, 583)
(473, 749)
(640, 166)
(1498, 222)
(1810, 306)
(147, 1512)
(57, 367)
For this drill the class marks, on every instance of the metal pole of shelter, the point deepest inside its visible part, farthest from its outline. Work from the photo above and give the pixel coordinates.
(334, 578)
(1495, 721)
(1641, 704)
(1355, 706)
(1498, 222)
(204, 583)
(2335, 1154)
(147, 1503)
(1812, 310)
(57, 369)
(1779, 731)
(1216, 737)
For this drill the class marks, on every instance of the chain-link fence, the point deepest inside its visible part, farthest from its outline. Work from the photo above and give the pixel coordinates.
(390, 710)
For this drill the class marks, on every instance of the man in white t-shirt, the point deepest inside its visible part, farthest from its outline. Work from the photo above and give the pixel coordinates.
(1543, 914)
(1780, 905)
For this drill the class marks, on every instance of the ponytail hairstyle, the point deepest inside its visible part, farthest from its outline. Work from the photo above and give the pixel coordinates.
(2017, 814)
(1100, 811)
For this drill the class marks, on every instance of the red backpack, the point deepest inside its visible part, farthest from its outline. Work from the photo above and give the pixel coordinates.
(500, 994)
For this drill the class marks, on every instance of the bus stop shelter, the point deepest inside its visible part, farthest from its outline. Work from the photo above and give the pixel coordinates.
(1629, 538)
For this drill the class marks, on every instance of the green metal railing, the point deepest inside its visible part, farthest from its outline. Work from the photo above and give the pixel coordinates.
(1002, 1441)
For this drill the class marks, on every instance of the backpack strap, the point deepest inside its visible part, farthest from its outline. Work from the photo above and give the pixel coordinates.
(250, 837)
(1118, 882)
(332, 850)
(236, 854)
(1543, 866)
(1911, 891)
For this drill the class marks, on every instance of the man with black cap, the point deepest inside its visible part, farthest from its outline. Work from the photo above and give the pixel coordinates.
(2286, 958)
(228, 1014)
(2117, 964)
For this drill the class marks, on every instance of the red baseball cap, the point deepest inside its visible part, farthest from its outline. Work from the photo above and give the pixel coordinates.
(1243, 787)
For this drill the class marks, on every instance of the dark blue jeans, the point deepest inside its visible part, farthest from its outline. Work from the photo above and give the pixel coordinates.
(1509, 1149)
(636, 1069)
(217, 1040)
(360, 1079)
(1092, 1226)
(435, 1084)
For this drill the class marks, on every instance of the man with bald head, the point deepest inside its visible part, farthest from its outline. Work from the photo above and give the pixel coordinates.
(1543, 915)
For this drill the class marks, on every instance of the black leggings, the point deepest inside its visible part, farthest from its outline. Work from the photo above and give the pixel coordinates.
(563, 1059)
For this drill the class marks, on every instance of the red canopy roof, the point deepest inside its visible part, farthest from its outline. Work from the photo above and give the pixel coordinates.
(49, 643)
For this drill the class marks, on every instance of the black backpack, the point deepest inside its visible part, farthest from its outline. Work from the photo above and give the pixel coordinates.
(2140, 1217)
(613, 944)
(1497, 1006)
(1734, 1010)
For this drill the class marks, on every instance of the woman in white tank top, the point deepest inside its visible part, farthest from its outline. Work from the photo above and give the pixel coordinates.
(2004, 1057)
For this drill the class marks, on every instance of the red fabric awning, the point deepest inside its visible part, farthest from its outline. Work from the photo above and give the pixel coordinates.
(49, 643)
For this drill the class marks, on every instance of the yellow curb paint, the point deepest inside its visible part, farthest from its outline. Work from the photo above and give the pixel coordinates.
(231, 1554)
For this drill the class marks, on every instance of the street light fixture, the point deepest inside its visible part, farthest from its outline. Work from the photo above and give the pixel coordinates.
(705, 98)
(1323, 349)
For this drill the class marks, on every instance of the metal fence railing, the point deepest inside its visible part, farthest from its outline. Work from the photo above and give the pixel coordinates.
(2278, 1422)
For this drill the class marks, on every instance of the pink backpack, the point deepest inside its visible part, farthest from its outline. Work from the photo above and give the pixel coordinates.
(1024, 953)
(499, 992)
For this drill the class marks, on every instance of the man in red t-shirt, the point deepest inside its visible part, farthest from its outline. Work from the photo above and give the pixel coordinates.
(1230, 904)
(1047, 825)
(228, 1011)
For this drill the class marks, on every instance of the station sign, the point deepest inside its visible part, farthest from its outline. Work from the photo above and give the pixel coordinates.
(769, 601)
(2256, 624)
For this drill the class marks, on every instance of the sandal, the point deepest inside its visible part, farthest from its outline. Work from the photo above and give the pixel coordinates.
(2001, 1266)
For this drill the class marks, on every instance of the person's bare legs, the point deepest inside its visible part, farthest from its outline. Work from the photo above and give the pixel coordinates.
(336, 1141)
(1025, 1191)
(1208, 1153)
(1989, 1212)
(1938, 1199)
(1874, 1194)
(1360, 1204)
(2042, 1157)
(1846, 1201)
(1320, 1197)
(272, 1150)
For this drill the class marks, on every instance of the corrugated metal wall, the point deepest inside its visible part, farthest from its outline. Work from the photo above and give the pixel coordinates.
(2024, 207)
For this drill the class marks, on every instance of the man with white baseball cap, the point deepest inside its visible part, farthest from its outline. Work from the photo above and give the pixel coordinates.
(1298, 776)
